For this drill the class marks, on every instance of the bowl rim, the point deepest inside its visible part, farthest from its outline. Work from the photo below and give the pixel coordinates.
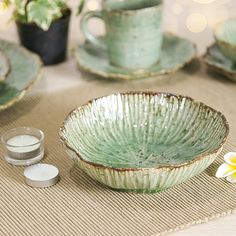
(166, 166)
(220, 39)
(111, 11)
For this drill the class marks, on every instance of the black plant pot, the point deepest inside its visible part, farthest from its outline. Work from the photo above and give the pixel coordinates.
(50, 45)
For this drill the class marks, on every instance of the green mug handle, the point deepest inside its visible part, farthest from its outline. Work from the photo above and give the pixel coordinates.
(84, 27)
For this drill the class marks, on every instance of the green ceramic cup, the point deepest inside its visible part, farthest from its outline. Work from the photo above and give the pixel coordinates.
(133, 32)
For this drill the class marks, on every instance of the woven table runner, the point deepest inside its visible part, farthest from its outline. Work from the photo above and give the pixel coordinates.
(77, 205)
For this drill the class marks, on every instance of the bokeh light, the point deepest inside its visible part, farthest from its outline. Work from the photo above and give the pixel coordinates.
(196, 23)
(222, 2)
(204, 1)
(177, 9)
(92, 5)
(221, 12)
(3, 8)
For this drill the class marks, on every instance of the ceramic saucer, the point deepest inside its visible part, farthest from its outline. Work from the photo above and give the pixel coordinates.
(176, 52)
(219, 63)
(25, 69)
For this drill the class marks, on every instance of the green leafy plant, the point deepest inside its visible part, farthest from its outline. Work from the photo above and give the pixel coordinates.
(39, 12)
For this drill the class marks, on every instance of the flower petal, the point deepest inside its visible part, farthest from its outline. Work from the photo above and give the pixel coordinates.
(230, 158)
(225, 170)
(232, 178)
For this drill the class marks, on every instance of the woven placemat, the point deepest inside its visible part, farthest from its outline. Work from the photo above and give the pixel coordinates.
(79, 206)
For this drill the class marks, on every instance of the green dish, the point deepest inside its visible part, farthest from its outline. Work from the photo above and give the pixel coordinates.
(143, 142)
(217, 61)
(25, 69)
(176, 52)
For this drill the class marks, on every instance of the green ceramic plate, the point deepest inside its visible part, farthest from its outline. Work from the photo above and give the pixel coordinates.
(25, 69)
(176, 53)
(219, 63)
(144, 142)
(4, 66)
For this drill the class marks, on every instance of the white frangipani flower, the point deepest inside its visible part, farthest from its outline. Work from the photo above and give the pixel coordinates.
(228, 169)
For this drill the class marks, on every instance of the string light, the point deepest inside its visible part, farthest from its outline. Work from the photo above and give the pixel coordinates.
(196, 23)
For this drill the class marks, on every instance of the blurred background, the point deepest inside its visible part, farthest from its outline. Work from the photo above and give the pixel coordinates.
(192, 19)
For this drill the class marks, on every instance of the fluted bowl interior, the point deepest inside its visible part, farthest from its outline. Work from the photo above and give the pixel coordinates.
(143, 130)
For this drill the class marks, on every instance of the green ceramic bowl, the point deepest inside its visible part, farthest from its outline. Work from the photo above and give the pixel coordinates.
(225, 34)
(143, 142)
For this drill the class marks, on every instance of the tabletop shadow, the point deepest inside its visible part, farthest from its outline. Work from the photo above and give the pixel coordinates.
(211, 170)
(193, 66)
(84, 181)
(214, 75)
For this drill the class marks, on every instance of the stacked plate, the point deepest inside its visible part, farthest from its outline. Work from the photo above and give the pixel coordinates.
(19, 69)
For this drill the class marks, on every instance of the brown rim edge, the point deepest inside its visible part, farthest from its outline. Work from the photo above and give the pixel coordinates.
(170, 167)
(131, 12)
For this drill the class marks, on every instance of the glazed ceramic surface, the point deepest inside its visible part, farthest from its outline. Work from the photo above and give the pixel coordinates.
(144, 142)
(133, 32)
(217, 61)
(25, 70)
(4, 66)
(225, 34)
(176, 52)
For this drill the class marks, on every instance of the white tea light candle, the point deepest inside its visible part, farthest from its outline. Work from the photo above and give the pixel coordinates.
(23, 143)
(23, 146)
(41, 175)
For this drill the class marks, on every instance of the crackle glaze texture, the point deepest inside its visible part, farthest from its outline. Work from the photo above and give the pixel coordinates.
(25, 69)
(176, 52)
(218, 62)
(144, 142)
(225, 34)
